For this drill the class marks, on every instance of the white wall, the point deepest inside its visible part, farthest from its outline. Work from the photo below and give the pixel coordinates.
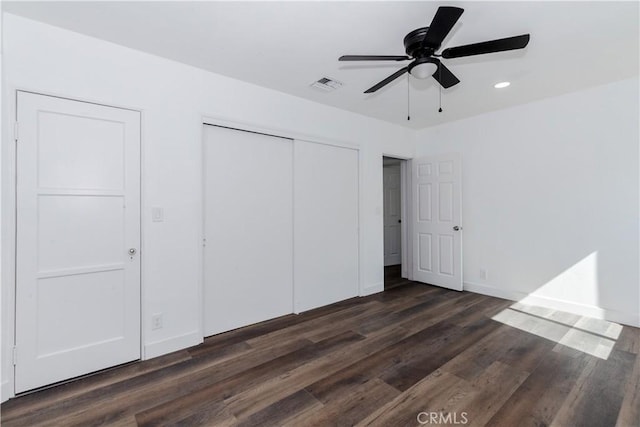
(174, 98)
(550, 200)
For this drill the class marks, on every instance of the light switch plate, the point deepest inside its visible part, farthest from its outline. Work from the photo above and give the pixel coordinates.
(157, 214)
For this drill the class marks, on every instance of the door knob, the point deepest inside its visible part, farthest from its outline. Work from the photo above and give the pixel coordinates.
(457, 228)
(132, 251)
(399, 221)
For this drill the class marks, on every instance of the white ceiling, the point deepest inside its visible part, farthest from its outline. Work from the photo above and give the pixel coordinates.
(288, 45)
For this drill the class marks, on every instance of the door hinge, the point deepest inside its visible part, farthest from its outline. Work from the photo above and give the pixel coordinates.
(15, 355)
(15, 131)
(204, 242)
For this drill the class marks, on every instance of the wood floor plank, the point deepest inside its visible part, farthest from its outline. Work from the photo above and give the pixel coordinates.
(470, 363)
(214, 413)
(407, 311)
(427, 356)
(392, 310)
(211, 411)
(296, 405)
(346, 409)
(437, 390)
(379, 360)
(490, 391)
(541, 395)
(127, 422)
(312, 326)
(596, 398)
(629, 340)
(630, 409)
(369, 367)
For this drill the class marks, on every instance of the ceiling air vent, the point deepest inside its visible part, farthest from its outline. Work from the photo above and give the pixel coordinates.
(326, 84)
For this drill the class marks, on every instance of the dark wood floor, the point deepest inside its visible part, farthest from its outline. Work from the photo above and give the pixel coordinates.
(380, 360)
(392, 277)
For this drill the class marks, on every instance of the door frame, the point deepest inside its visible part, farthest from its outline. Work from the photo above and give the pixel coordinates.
(8, 250)
(400, 203)
(405, 213)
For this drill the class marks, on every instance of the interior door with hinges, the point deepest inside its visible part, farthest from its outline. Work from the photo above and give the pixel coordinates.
(437, 220)
(78, 236)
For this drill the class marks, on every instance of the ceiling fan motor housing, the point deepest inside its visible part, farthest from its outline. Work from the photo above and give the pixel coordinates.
(413, 43)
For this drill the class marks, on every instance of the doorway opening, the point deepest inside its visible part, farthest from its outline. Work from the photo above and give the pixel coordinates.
(395, 223)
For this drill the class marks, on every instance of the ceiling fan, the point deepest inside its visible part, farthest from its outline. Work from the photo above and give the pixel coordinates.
(421, 46)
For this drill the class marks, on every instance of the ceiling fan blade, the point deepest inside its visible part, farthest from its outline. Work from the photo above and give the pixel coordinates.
(372, 58)
(386, 81)
(445, 77)
(499, 45)
(444, 20)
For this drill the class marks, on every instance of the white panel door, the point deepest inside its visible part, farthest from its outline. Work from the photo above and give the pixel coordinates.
(437, 248)
(78, 215)
(248, 256)
(392, 215)
(326, 224)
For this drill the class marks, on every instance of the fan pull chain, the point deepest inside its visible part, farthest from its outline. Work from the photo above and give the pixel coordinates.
(408, 101)
(440, 74)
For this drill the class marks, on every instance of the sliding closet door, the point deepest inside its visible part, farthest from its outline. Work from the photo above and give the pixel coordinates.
(325, 224)
(248, 227)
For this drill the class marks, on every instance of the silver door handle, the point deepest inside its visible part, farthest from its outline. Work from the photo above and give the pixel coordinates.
(132, 251)
(456, 228)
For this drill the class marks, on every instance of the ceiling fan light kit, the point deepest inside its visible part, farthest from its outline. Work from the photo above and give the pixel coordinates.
(422, 44)
(423, 68)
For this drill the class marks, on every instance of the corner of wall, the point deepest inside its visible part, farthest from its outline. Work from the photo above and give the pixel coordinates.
(6, 391)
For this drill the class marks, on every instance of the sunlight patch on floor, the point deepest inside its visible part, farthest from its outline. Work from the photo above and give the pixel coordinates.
(592, 336)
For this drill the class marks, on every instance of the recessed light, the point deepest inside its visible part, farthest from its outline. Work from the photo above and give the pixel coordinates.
(501, 85)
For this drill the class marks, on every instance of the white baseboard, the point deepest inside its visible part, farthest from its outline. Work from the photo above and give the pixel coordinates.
(7, 391)
(168, 345)
(493, 291)
(632, 319)
(372, 289)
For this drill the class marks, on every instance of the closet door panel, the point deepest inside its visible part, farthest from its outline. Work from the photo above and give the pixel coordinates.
(325, 224)
(248, 221)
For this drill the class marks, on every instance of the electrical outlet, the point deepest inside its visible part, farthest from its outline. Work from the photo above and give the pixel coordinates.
(156, 321)
(484, 274)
